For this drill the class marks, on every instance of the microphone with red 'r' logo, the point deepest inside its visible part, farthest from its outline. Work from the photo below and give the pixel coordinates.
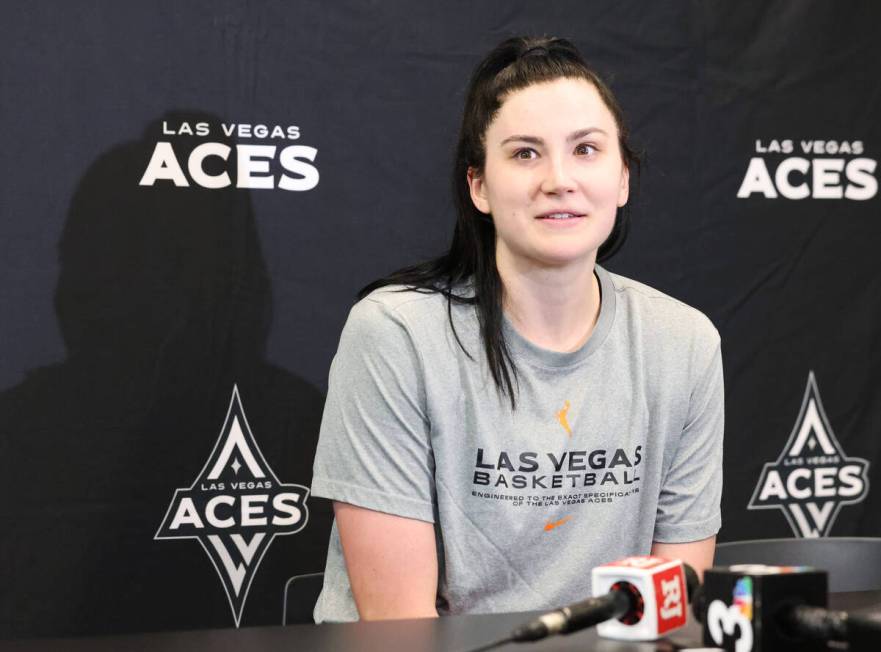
(636, 598)
(659, 590)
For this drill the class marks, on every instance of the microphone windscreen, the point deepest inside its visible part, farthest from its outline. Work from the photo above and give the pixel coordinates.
(662, 588)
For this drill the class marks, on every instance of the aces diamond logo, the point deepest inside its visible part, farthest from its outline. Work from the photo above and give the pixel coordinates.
(235, 507)
(813, 478)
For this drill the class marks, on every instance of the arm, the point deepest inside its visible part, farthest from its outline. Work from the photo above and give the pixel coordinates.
(689, 504)
(391, 562)
(375, 461)
(697, 554)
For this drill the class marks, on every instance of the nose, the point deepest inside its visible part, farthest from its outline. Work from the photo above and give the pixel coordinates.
(557, 178)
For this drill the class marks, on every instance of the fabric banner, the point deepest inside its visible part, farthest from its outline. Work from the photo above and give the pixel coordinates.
(193, 194)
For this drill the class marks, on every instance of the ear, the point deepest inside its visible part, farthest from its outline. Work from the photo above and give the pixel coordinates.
(624, 188)
(477, 188)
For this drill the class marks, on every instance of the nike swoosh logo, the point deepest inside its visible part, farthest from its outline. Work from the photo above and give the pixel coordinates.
(550, 525)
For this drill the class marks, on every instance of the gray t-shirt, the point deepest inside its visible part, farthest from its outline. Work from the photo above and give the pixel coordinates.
(611, 447)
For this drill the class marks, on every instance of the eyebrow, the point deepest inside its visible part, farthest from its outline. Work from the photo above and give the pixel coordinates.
(535, 140)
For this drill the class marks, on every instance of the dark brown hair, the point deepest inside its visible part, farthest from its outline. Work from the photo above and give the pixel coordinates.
(512, 65)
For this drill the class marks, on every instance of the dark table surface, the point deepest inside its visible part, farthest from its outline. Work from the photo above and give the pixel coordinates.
(453, 634)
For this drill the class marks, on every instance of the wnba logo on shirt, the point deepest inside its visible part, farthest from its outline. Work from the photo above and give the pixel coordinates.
(813, 478)
(563, 418)
(235, 507)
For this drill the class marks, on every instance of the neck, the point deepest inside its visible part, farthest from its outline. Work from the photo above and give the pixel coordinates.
(555, 308)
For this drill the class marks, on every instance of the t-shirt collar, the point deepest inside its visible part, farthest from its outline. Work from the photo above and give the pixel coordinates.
(523, 350)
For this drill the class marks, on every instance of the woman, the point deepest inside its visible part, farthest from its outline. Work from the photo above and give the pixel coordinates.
(506, 417)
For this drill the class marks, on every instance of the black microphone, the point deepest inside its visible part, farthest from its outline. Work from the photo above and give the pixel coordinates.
(756, 608)
(617, 603)
(861, 633)
(746, 608)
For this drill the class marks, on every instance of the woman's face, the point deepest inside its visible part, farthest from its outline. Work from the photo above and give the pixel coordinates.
(554, 176)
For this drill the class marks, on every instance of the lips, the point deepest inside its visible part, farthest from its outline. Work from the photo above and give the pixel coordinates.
(559, 215)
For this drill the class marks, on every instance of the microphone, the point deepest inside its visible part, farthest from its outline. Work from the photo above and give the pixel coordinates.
(647, 596)
(861, 633)
(580, 615)
(664, 589)
(756, 608)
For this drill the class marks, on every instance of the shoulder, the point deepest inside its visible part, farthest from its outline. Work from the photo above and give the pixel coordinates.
(397, 304)
(668, 335)
(393, 314)
(663, 314)
(397, 322)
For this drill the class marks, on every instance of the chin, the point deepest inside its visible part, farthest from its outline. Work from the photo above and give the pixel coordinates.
(560, 258)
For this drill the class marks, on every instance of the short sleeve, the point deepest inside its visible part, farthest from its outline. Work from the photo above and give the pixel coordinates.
(374, 449)
(689, 505)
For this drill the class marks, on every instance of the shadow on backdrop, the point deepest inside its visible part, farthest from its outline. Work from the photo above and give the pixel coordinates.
(164, 304)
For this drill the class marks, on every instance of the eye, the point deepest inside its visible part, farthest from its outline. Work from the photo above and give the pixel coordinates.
(585, 149)
(525, 154)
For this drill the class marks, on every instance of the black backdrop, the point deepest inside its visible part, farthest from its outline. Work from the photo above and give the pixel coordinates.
(134, 303)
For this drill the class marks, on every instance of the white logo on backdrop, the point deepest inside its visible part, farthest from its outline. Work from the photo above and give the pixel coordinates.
(273, 163)
(813, 478)
(817, 169)
(235, 507)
